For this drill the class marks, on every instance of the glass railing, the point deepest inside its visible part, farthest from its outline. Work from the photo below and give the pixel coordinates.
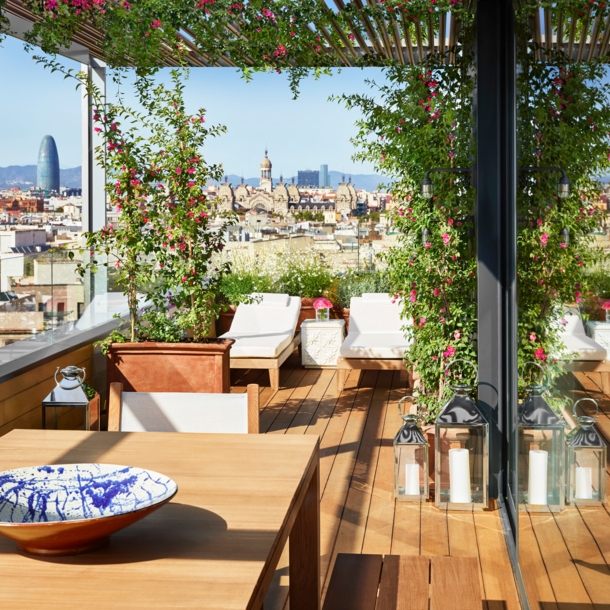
(44, 300)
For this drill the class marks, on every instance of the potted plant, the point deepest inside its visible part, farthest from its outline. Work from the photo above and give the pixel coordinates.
(307, 274)
(248, 274)
(164, 244)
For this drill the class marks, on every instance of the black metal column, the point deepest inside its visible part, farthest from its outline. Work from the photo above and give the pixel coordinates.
(496, 219)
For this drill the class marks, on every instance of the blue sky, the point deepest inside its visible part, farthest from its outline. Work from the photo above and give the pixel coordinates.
(300, 134)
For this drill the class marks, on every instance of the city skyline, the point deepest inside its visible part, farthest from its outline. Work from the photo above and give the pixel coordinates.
(299, 134)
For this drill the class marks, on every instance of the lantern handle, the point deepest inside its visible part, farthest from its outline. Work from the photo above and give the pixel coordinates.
(474, 366)
(535, 364)
(400, 405)
(586, 417)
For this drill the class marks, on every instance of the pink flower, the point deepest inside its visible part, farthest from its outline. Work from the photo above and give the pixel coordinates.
(436, 292)
(446, 239)
(449, 281)
(539, 354)
(434, 357)
(322, 303)
(191, 184)
(539, 221)
(412, 298)
(422, 321)
(563, 245)
(563, 321)
(544, 238)
(178, 170)
(155, 24)
(191, 170)
(450, 352)
(427, 244)
(606, 305)
(456, 335)
(532, 337)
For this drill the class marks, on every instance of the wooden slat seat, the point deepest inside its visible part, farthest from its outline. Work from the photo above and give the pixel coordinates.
(394, 582)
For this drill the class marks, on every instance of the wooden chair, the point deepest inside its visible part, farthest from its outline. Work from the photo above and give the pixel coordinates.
(375, 341)
(264, 334)
(182, 411)
(394, 582)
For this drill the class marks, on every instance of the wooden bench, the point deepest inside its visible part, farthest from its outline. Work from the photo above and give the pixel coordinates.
(592, 366)
(399, 582)
(345, 365)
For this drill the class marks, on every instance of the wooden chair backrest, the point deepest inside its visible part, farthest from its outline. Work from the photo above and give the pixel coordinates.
(183, 411)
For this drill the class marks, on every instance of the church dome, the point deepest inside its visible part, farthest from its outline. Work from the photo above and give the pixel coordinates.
(265, 163)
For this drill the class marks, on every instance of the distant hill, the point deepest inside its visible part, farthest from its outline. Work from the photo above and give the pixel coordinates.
(367, 182)
(24, 176)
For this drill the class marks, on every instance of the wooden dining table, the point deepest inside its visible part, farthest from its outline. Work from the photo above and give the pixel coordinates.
(216, 544)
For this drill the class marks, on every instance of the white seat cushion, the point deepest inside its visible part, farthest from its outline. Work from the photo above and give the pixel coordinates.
(375, 316)
(382, 297)
(268, 299)
(258, 345)
(374, 345)
(258, 318)
(585, 347)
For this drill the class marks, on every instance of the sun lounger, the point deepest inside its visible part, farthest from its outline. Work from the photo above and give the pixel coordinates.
(590, 356)
(264, 334)
(375, 340)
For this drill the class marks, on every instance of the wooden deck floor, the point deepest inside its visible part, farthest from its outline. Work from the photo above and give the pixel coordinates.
(565, 559)
(358, 510)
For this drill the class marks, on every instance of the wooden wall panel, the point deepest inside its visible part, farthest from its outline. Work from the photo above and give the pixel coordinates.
(21, 397)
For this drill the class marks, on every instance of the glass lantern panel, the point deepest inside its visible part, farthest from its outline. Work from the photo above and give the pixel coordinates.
(461, 465)
(410, 471)
(541, 468)
(587, 474)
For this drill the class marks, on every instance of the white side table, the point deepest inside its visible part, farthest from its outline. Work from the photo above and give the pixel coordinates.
(320, 343)
(600, 332)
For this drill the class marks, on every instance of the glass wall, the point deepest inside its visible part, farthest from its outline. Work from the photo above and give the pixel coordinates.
(43, 299)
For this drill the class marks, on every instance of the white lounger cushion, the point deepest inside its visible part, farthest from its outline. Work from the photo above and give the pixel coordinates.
(575, 339)
(184, 412)
(268, 299)
(263, 331)
(375, 329)
(375, 296)
(374, 345)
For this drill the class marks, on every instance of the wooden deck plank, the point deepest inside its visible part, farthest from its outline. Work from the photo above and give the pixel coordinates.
(535, 577)
(500, 589)
(585, 554)
(598, 522)
(277, 401)
(291, 406)
(334, 496)
(404, 583)
(565, 579)
(353, 522)
(454, 585)
(380, 522)
(434, 534)
(305, 414)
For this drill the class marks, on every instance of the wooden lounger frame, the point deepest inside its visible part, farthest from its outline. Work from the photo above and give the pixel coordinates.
(344, 365)
(271, 364)
(592, 366)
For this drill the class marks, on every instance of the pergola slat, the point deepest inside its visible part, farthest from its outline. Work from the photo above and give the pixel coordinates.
(583, 37)
(389, 36)
(594, 35)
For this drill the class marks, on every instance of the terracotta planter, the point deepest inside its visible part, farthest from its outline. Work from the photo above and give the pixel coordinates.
(225, 319)
(307, 311)
(341, 313)
(170, 367)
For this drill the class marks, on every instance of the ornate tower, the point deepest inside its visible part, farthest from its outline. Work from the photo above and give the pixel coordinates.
(266, 183)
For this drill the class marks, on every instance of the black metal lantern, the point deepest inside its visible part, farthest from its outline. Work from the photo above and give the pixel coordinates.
(541, 452)
(67, 393)
(586, 461)
(563, 186)
(461, 452)
(410, 460)
(427, 188)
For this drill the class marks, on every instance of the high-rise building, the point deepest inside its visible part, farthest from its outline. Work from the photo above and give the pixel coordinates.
(48, 166)
(309, 177)
(324, 177)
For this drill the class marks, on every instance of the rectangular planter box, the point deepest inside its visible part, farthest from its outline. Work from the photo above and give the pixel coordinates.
(170, 367)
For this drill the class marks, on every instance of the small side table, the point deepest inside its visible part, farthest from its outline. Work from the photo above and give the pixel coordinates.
(600, 332)
(320, 343)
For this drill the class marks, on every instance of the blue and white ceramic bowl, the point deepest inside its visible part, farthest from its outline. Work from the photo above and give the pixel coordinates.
(71, 508)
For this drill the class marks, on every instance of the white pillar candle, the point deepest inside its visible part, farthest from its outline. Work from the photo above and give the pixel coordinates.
(537, 477)
(584, 483)
(459, 476)
(412, 479)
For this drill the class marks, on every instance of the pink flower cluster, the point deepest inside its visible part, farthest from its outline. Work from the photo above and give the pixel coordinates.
(322, 303)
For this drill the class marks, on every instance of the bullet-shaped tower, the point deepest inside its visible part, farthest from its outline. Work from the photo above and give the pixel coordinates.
(48, 166)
